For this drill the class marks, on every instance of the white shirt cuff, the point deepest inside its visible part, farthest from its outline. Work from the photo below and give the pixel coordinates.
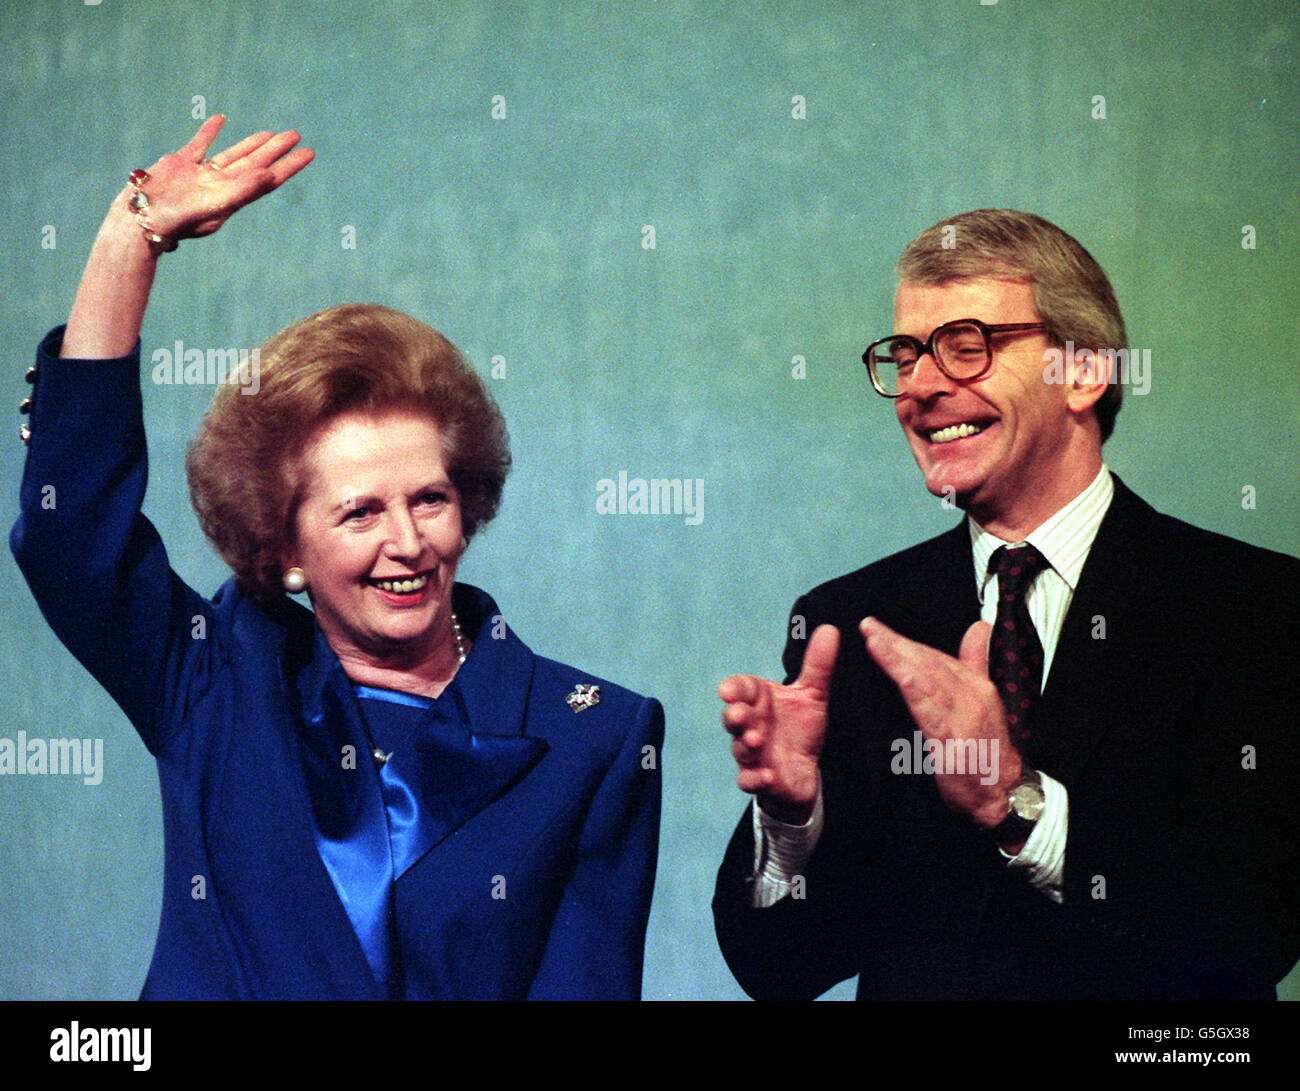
(1043, 857)
(781, 852)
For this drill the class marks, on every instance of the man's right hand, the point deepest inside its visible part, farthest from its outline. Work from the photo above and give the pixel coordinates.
(777, 731)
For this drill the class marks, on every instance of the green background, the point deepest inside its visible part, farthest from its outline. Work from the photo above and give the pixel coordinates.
(522, 238)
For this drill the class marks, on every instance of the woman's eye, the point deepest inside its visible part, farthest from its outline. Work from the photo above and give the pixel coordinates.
(357, 513)
(433, 498)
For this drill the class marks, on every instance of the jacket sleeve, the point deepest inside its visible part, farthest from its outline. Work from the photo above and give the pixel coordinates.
(94, 563)
(596, 946)
(811, 939)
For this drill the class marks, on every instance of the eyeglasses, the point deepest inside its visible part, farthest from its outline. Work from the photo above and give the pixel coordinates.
(963, 350)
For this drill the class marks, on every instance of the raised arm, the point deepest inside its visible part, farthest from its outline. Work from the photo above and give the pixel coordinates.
(94, 563)
(186, 198)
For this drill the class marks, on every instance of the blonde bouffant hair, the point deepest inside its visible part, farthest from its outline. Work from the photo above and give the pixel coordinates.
(245, 465)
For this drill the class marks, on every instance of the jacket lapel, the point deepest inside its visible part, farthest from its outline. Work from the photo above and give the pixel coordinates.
(941, 602)
(468, 771)
(350, 826)
(1106, 640)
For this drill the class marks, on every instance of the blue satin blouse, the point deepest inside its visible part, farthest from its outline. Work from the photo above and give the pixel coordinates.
(435, 772)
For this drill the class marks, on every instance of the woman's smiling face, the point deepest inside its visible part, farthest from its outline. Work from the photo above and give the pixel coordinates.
(379, 535)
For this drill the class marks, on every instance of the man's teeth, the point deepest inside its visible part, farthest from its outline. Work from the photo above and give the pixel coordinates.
(402, 587)
(955, 431)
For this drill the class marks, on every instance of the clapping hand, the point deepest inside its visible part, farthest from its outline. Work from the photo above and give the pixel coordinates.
(778, 731)
(953, 699)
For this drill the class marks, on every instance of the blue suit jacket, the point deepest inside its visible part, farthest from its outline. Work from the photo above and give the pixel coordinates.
(541, 887)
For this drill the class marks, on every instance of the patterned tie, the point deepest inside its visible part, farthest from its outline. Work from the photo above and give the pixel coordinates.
(1015, 653)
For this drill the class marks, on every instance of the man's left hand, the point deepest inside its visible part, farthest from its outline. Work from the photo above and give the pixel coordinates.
(953, 699)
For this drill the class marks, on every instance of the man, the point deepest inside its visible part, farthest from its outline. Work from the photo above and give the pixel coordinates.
(1089, 800)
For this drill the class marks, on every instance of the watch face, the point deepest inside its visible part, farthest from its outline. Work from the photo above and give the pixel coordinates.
(1027, 801)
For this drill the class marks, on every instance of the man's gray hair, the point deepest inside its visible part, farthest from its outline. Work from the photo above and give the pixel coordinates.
(1072, 293)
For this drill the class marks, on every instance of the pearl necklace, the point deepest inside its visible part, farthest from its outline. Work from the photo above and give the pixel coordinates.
(460, 640)
(381, 759)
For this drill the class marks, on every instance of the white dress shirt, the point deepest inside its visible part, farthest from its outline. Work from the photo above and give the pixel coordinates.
(781, 851)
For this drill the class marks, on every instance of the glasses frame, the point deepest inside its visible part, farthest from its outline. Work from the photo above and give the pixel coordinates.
(927, 348)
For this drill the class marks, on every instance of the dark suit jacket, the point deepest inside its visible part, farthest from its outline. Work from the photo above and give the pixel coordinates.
(539, 885)
(1170, 715)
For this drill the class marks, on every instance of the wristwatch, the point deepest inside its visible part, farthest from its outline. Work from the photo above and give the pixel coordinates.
(1027, 802)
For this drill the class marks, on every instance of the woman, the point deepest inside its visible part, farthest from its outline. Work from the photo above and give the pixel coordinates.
(389, 796)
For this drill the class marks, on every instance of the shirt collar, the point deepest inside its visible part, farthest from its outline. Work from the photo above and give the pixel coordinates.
(1064, 538)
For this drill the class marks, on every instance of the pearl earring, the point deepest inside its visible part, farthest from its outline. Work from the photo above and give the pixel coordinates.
(295, 580)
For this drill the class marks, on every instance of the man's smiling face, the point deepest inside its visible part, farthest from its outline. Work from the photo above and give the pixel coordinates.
(1017, 455)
